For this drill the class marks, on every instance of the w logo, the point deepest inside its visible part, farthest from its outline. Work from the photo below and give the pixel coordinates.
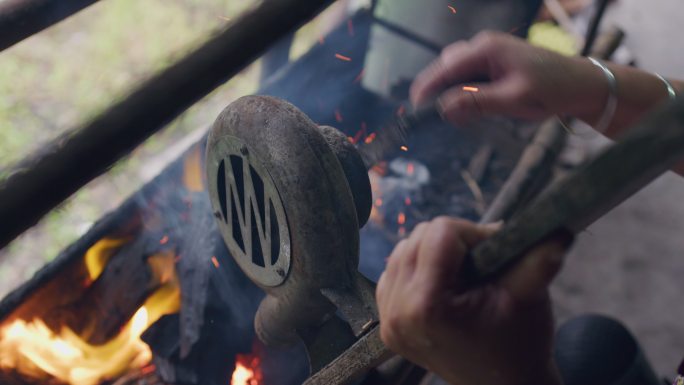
(253, 222)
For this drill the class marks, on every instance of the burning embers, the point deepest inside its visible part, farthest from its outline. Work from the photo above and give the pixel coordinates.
(34, 350)
(247, 370)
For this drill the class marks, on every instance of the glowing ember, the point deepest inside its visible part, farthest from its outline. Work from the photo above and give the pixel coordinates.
(247, 371)
(452, 8)
(338, 116)
(470, 89)
(407, 201)
(215, 262)
(350, 139)
(370, 138)
(164, 240)
(342, 57)
(378, 202)
(401, 218)
(410, 168)
(403, 148)
(31, 348)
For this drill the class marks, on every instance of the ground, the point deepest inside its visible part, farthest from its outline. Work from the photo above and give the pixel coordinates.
(630, 263)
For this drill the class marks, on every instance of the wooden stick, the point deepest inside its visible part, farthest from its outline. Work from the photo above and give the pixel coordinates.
(45, 179)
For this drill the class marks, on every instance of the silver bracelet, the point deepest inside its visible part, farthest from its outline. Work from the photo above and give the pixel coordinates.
(670, 90)
(611, 104)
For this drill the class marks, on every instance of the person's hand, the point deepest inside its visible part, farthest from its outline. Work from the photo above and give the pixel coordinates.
(513, 79)
(499, 333)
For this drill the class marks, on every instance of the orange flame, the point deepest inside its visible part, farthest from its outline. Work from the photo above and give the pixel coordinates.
(247, 371)
(192, 171)
(31, 348)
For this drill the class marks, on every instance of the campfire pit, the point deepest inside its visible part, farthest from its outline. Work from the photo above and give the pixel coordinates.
(156, 268)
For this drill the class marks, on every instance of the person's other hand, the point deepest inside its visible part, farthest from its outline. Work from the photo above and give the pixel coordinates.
(498, 333)
(513, 79)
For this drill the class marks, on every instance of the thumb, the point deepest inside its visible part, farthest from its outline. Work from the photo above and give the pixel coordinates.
(529, 279)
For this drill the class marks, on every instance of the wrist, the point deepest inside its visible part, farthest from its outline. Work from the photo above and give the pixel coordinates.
(592, 93)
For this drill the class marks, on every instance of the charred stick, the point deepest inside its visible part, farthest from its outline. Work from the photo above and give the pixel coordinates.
(45, 179)
(568, 206)
(533, 170)
(20, 19)
(571, 204)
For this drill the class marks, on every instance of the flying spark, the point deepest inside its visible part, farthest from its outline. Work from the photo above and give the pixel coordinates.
(342, 57)
(350, 27)
(359, 76)
(452, 8)
(470, 89)
(215, 261)
(338, 116)
(164, 240)
(401, 218)
(404, 148)
(407, 201)
(370, 138)
(378, 202)
(410, 168)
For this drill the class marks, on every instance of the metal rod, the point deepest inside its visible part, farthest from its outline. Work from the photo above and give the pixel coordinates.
(594, 25)
(45, 179)
(20, 19)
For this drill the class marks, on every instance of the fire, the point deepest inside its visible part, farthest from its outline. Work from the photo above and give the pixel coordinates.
(193, 171)
(247, 371)
(470, 89)
(98, 255)
(31, 348)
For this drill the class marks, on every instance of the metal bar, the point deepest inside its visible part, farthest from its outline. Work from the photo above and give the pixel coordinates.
(45, 179)
(20, 19)
(594, 25)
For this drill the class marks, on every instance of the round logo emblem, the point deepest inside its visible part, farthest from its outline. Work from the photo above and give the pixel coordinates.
(249, 211)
